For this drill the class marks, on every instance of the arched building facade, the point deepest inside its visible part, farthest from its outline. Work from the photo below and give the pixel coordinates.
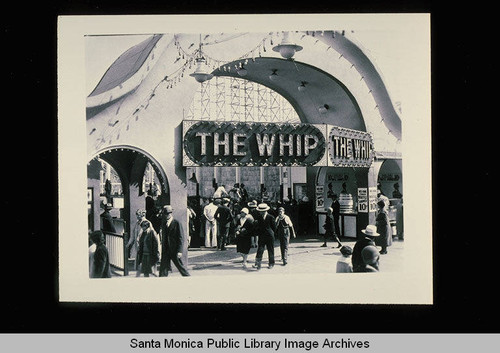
(139, 113)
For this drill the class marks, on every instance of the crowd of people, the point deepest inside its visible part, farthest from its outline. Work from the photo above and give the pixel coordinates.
(146, 246)
(227, 220)
(232, 218)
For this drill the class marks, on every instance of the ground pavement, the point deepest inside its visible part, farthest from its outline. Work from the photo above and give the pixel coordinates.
(305, 255)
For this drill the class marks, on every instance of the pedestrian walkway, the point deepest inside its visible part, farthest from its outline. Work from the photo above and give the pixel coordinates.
(305, 255)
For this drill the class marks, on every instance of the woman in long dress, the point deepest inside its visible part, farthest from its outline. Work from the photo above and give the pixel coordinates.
(383, 228)
(244, 234)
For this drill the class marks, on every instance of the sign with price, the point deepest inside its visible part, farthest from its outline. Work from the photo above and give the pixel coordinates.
(373, 199)
(363, 200)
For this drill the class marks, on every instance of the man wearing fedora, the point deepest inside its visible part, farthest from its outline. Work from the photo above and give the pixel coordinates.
(107, 219)
(224, 218)
(370, 233)
(171, 245)
(264, 228)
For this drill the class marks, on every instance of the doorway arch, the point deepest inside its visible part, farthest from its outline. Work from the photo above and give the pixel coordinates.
(130, 164)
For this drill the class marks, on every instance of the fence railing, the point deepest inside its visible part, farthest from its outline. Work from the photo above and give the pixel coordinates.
(117, 250)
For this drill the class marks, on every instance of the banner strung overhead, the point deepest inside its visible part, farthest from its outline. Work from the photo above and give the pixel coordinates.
(210, 143)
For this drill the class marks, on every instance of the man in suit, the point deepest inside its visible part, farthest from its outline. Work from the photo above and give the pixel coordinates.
(171, 245)
(370, 232)
(107, 220)
(224, 218)
(265, 228)
(336, 217)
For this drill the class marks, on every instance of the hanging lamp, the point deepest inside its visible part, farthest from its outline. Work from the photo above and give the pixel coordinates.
(287, 48)
(201, 73)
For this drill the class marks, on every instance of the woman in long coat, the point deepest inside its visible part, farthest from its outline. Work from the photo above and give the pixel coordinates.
(244, 234)
(383, 228)
(148, 253)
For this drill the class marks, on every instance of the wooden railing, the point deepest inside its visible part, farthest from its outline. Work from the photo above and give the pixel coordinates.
(118, 257)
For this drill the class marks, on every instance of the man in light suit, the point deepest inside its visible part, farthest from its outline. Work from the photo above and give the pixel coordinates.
(171, 244)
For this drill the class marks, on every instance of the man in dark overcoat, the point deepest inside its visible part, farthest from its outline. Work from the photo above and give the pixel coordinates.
(264, 228)
(224, 218)
(107, 220)
(171, 244)
(370, 233)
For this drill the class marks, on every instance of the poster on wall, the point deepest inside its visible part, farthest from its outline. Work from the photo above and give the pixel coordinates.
(363, 200)
(373, 198)
(320, 198)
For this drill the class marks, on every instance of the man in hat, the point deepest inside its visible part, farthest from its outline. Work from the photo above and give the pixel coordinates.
(370, 232)
(385, 199)
(244, 194)
(224, 218)
(252, 209)
(134, 240)
(171, 244)
(210, 224)
(284, 228)
(265, 228)
(107, 220)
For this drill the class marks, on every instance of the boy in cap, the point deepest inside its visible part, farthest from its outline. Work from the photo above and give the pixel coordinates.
(344, 264)
(284, 228)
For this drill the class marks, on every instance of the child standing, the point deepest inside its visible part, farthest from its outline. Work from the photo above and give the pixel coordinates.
(344, 263)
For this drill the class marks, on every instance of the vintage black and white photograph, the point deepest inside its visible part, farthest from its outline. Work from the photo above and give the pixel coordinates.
(245, 159)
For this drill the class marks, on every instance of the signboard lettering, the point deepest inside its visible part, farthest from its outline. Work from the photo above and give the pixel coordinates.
(363, 200)
(349, 147)
(212, 143)
(238, 143)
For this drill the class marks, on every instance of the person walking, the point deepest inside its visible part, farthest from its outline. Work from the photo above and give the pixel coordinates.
(223, 217)
(148, 253)
(284, 229)
(265, 228)
(330, 228)
(171, 244)
(335, 206)
(370, 233)
(244, 231)
(101, 268)
(210, 224)
(135, 237)
(383, 228)
(107, 220)
(252, 209)
(344, 264)
(381, 197)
